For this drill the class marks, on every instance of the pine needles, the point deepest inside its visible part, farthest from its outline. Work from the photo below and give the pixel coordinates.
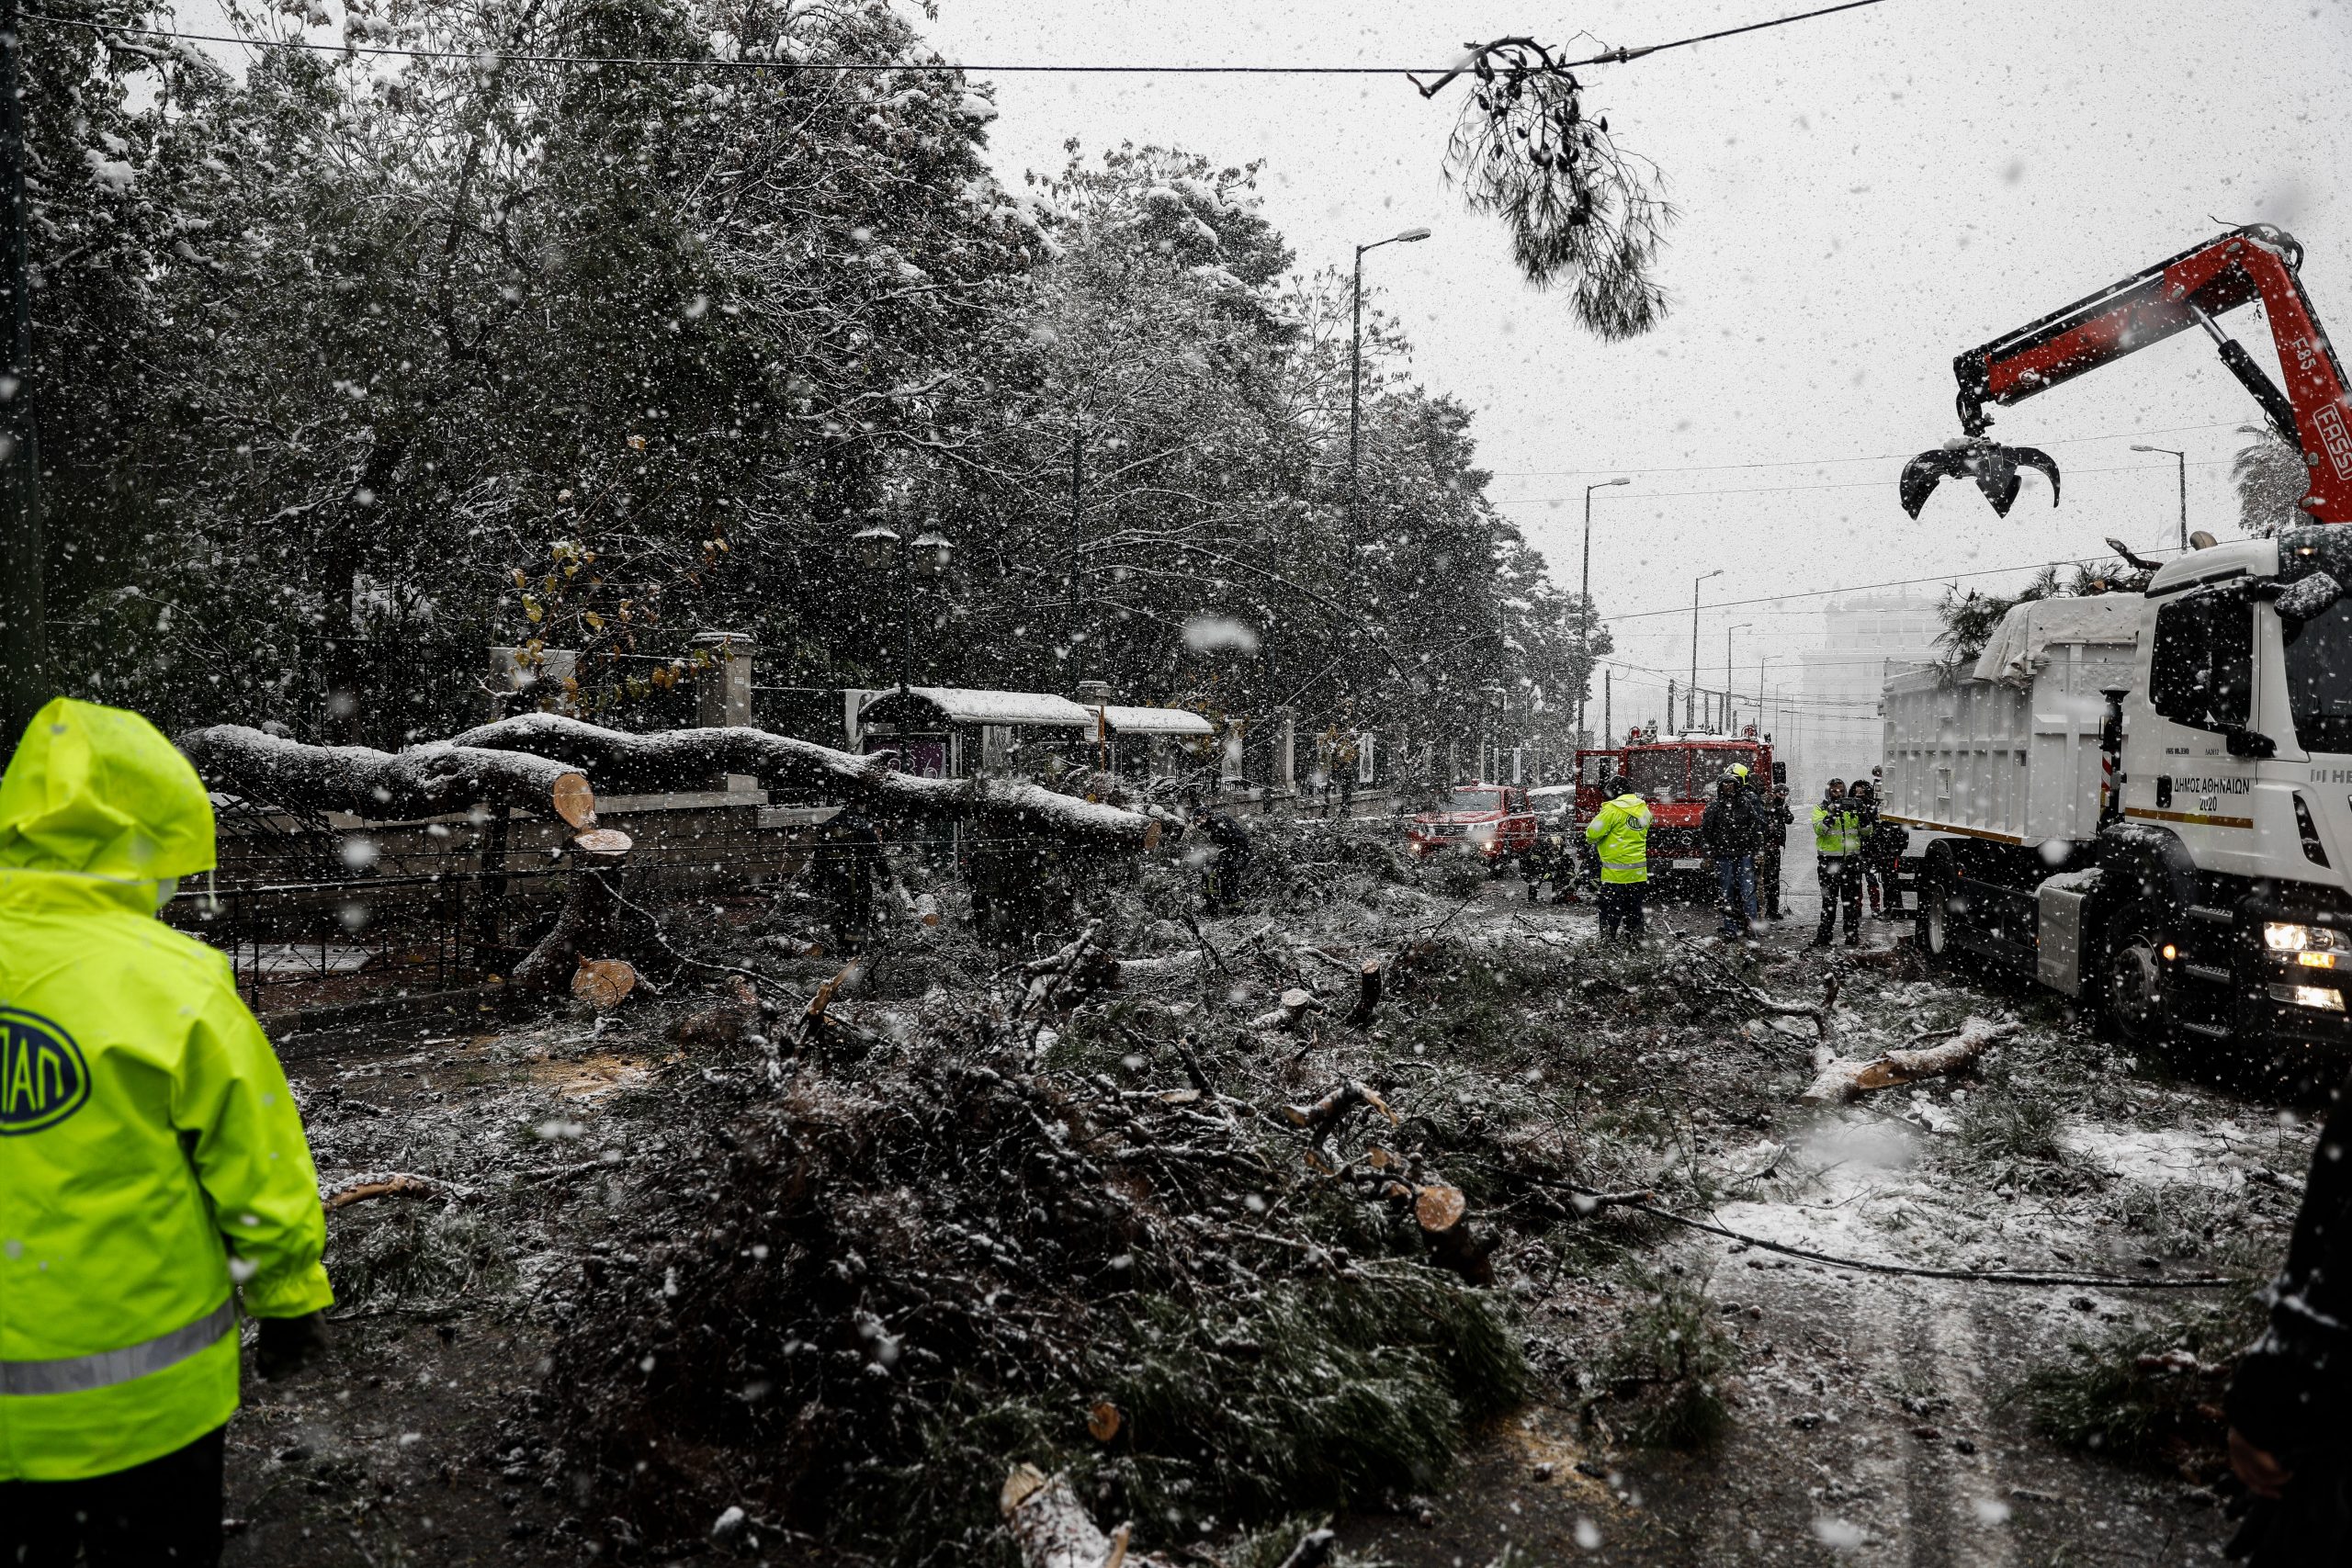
(1581, 209)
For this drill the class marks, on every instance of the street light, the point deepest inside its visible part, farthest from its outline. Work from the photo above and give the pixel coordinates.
(1690, 697)
(1355, 368)
(879, 547)
(1584, 636)
(2182, 459)
(1744, 625)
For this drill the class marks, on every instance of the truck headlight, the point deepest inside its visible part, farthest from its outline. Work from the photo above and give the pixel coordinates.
(2326, 998)
(2286, 936)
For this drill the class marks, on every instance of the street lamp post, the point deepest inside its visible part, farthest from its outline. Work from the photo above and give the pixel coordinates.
(1744, 625)
(1355, 368)
(881, 547)
(1690, 697)
(1583, 634)
(2181, 458)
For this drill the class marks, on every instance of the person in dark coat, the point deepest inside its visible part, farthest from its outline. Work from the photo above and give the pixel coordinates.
(1730, 832)
(1868, 868)
(2288, 1439)
(1775, 816)
(1231, 842)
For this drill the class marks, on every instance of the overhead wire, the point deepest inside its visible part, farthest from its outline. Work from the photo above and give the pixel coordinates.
(1864, 587)
(1858, 457)
(1832, 484)
(1607, 57)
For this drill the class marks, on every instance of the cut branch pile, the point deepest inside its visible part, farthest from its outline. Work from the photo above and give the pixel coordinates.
(950, 1256)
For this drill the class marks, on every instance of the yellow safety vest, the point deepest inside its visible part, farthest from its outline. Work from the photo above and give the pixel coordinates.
(1837, 832)
(1621, 830)
(147, 1136)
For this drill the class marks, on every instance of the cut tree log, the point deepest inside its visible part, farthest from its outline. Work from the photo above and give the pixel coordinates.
(1166, 963)
(681, 758)
(1444, 1214)
(389, 1184)
(1323, 1118)
(585, 925)
(1837, 1080)
(386, 787)
(604, 983)
(1054, 1530)
(1292, 1008)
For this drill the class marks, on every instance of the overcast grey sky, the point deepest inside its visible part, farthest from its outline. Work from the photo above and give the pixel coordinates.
(1864, 196)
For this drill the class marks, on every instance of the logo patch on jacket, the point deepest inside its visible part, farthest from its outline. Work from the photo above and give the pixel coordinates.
(43, 1078)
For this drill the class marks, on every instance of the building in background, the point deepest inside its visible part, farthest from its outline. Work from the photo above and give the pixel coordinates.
(1834, 722)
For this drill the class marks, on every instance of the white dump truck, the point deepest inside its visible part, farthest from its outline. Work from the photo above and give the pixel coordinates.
(2144, 800)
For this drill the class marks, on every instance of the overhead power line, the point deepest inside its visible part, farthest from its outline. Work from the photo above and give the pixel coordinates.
(1864, 587)
(1832, 484)
(1858, 457)
(1607, 57)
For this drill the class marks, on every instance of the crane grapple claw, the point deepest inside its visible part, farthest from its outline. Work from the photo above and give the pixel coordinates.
(1993, 465)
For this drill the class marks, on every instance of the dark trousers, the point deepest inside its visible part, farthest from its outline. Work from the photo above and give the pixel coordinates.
(1620, 907)
(166, 1511)
(1841, 883)
(1768, 882)
(1736, 883)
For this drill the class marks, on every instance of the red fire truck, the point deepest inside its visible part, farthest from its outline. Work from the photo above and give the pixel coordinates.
(1676, 774)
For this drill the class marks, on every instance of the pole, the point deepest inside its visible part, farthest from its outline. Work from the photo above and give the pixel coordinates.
(2182, 459)
(1355, 392)
(1077, 499)
(1694, 629)
(1584, 614)
(906, 639)
(24, 634)
(1608, 711)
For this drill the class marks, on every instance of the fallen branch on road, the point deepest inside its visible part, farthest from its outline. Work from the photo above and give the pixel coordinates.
(1839, 1080)
(389, 1184)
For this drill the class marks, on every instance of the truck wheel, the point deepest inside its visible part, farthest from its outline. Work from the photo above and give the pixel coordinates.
(1935, 913)
(2133, 993)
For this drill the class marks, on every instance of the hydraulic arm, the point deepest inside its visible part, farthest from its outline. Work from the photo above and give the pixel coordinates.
(2192, 289)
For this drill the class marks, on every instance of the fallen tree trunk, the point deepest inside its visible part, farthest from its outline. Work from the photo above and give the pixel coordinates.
(583, 926)
(424, 781)
(1839, 1080)
(681, 759)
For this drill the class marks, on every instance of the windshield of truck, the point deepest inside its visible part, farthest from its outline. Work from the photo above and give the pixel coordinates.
(1472, 800)
(1663, 776)
(2319, 678)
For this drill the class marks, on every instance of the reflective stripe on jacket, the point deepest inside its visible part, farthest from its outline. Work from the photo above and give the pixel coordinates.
(1620, 831)
(1836, 831)
(147, 1135)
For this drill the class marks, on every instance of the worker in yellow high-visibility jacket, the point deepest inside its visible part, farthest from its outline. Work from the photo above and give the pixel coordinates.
(154, 1173)
(1620, 832)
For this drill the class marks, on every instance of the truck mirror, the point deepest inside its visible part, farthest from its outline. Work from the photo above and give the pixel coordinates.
(2245, 743)
(2309, 598)
(1781, 774)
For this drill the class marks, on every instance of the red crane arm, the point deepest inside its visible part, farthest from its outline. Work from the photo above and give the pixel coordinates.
(2191, 290)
